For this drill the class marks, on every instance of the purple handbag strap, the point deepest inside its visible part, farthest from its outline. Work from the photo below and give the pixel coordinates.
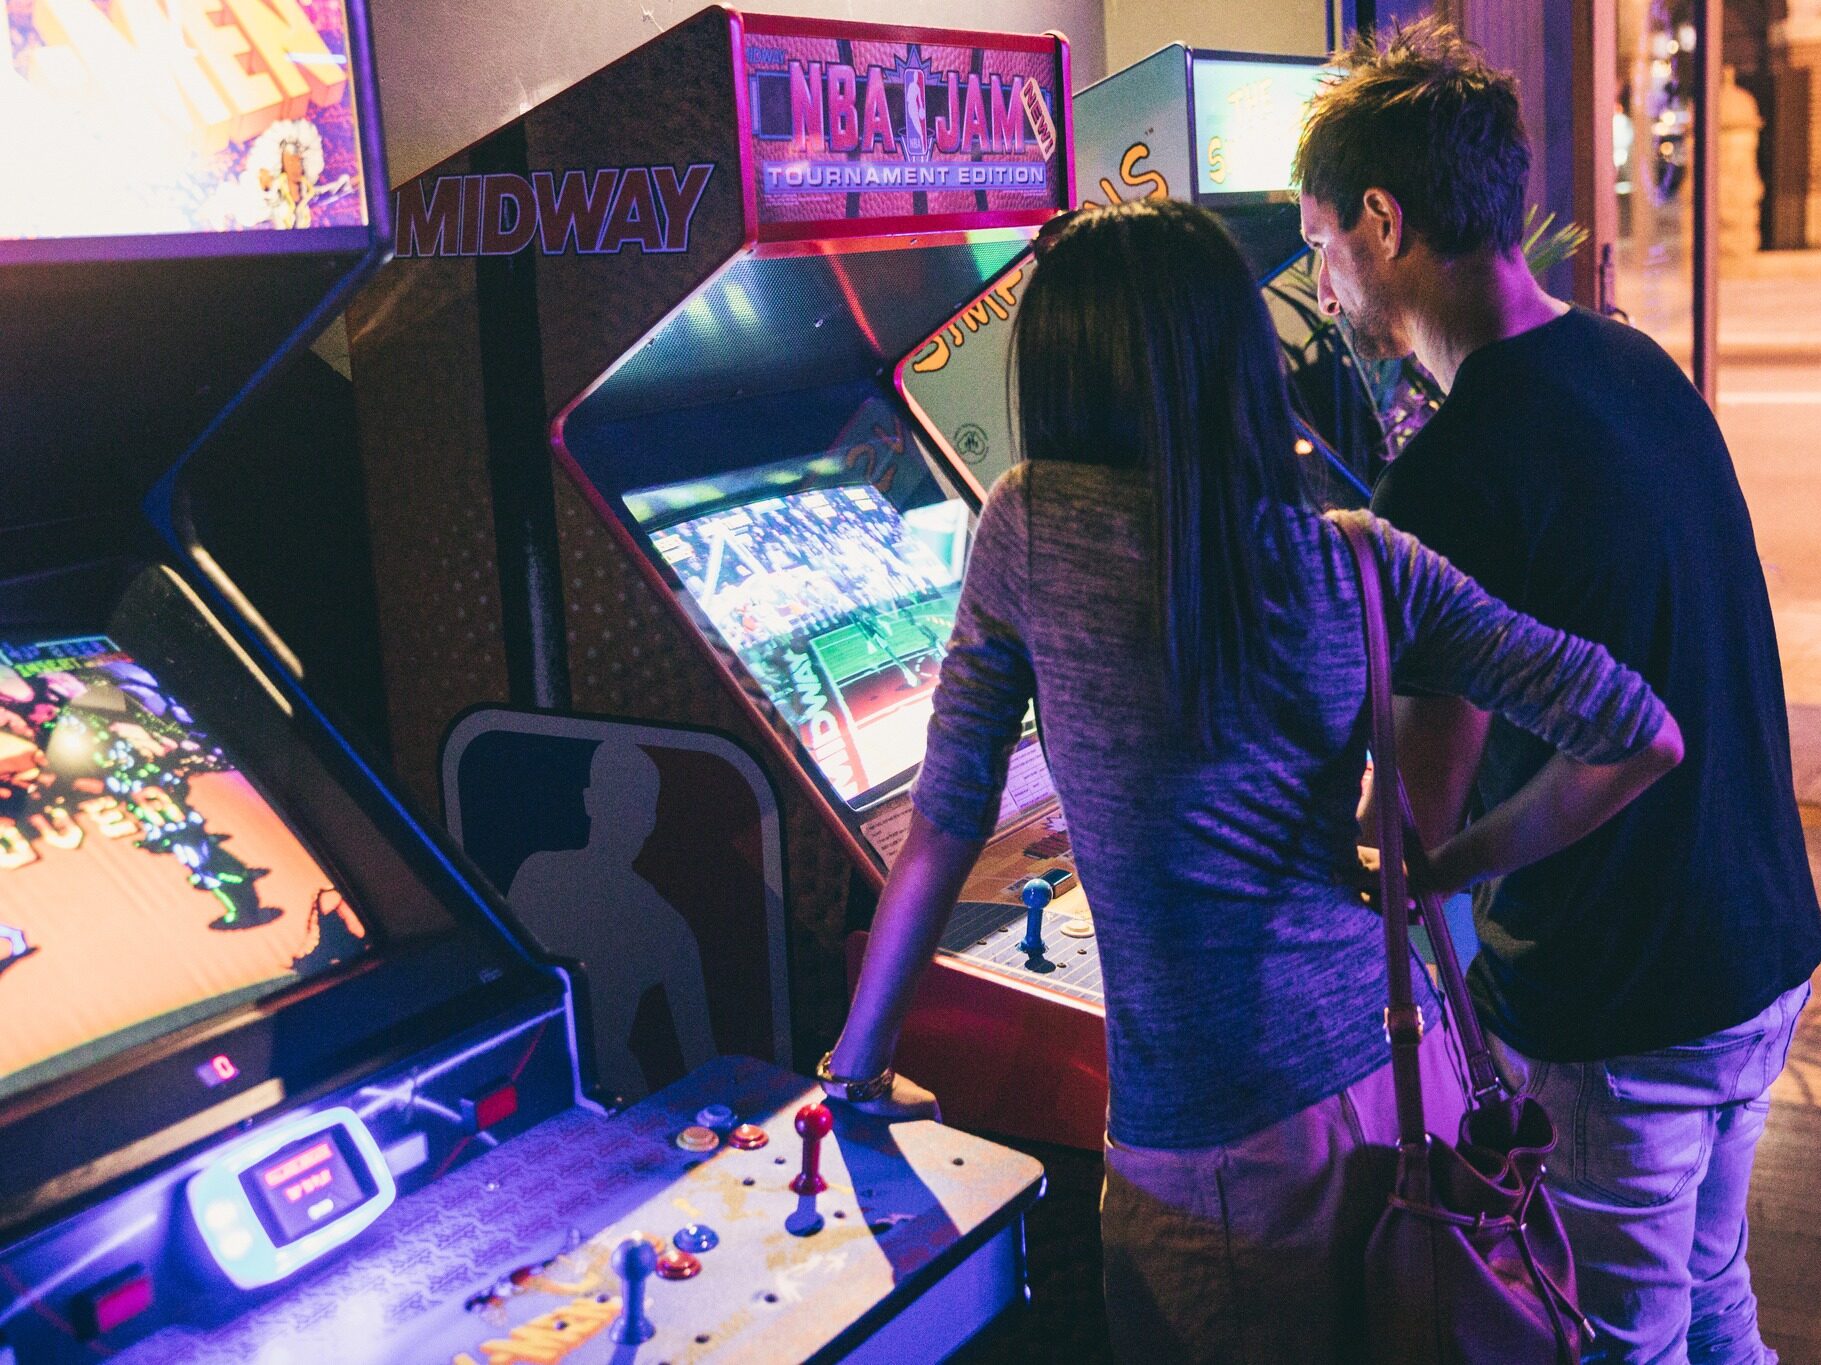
(1403, 1017)
(1483, 1081)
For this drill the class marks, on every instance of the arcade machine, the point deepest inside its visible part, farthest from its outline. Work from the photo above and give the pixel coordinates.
(752, 455)
(276, 1080)
(706, 260)
(1219, 128)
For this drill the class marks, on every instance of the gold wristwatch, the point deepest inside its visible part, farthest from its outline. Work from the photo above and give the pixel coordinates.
(852, 1089)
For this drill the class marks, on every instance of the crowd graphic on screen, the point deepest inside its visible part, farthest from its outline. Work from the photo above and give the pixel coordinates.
(839, 606)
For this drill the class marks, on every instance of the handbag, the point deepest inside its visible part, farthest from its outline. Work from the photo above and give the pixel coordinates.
(1468, 1264)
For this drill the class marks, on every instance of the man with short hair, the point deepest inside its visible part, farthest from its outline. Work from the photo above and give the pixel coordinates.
(1644, 983)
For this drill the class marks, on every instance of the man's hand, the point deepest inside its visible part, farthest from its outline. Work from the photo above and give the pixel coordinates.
(1366, 882)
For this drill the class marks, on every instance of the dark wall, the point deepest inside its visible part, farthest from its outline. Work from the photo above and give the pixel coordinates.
(279, 501)
(1383, 13)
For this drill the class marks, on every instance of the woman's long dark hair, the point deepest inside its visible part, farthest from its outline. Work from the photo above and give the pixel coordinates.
(1143, 343)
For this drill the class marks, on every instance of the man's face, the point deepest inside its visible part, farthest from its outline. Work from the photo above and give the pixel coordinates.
(1354, 279)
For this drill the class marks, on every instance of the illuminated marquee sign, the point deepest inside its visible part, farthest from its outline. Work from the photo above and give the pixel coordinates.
(852, 129)
(133, 117)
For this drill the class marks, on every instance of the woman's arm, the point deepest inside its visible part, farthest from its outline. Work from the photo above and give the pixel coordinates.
(919, 895)
(977, 714)
(1564, 802)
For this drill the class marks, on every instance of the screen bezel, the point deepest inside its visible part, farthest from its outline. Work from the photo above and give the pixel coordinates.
(609, 454)
(276, 989)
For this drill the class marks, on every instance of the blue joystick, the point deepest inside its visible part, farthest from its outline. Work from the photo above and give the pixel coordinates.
(633, 1260)
(1036, 895)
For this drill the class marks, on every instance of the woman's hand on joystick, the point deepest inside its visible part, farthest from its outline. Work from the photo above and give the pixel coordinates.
(905, 1100)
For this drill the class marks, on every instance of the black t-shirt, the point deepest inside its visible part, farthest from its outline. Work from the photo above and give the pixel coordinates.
(1577, 474)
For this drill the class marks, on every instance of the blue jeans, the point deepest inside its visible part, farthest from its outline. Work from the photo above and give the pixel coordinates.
(1650, 1179)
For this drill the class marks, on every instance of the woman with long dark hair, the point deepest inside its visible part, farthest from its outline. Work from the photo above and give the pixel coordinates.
(1191, 633)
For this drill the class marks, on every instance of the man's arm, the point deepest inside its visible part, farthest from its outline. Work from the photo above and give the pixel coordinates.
(1454, 507)
(1439, 744)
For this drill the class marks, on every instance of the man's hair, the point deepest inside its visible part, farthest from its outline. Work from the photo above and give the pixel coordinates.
(1420, 114)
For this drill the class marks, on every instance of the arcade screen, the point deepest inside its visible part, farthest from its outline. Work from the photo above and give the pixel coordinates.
(124, 118)
(839, 605)
(1249, 114)
(144, 882)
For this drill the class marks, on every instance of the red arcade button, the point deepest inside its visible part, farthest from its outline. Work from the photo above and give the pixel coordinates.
(494, 1106)
(119, 1300)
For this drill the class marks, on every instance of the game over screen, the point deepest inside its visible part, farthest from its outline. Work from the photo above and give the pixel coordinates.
(1249, 116)
(840, 606)
(144, 882)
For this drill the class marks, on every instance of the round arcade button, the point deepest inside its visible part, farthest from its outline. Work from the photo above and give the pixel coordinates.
(696, 1237)
(696, 1138)
(748, 1137)
(1036, 893)
(678, 1265)
(1079, 928)
(715, 1116)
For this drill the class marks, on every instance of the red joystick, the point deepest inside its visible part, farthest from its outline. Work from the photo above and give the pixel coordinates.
(814, 1122)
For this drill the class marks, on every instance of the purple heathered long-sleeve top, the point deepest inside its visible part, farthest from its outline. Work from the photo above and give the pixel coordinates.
(1244, 980)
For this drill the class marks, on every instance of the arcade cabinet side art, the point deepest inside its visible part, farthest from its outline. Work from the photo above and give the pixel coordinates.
(649, 856)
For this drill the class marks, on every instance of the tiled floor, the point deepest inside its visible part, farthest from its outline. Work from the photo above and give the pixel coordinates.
(1786, 1185)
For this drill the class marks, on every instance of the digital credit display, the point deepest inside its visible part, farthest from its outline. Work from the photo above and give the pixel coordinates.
(304, 1186)
(1249, 114)
(283, 1198)
(839, 606)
